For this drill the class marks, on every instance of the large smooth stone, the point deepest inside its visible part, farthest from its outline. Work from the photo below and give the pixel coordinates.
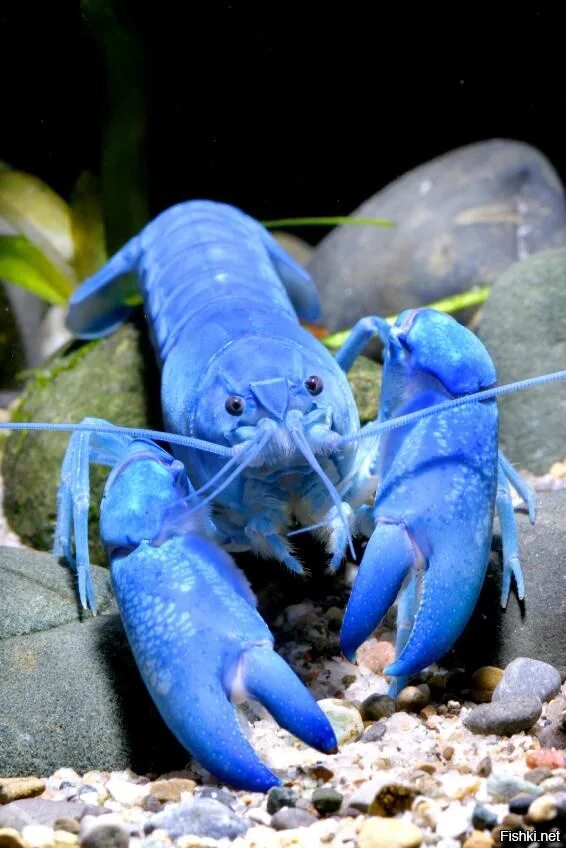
(460, 220)
(71, 693)
(114, 379)
(537, 626)
(523, 325)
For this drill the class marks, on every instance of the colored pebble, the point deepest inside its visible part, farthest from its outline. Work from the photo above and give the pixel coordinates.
(11, 838)
(326, 800)
(479, 839)
(377, 656)
(413, 699)
(392, 798)
(345, 719)
(290, 817)
(483, 682)
(524, 676)
(12, 789)
(171, 790)
(279, 797)
(546, 757)
(377, 832)
(377, 706)
(505, 717)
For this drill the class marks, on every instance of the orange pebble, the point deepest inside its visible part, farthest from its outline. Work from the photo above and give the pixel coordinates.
(377, 656)
(551, 758)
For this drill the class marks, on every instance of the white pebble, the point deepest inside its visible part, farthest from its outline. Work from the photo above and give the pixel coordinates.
(38, 835)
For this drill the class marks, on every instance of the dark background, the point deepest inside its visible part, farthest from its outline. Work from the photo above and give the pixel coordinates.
(283, 109)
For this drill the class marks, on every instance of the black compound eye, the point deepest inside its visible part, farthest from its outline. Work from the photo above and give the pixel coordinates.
(314, 384)
(234, 405)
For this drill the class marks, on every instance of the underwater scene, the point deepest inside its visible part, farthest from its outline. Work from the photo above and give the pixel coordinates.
(282, 426)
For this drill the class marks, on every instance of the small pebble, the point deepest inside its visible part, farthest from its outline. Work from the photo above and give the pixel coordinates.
(505, 717)
(413, 699)
(345, 719)
(379, 832)
(453, 822)
(171, 790)
(201, 817)
(11, 838)
(484, 767)
(554, 735)
(106, 836)
(520, 805)
(320, 772)
(279, 797)
(222, 795)
(38, 835)
(151, 805)
(479, 839)
(543, 809)
(289, 817)
(537, 775)
(403, 722)
(483, 818)
(377, 706)
(376, 657)
(504, 787)
(524, 676)
(483, 683)
(67, 823)
(326, 800)
(63, 837)
(12, 789)
(549, 758)
(448, 752)
(374, 732)
(392, 798)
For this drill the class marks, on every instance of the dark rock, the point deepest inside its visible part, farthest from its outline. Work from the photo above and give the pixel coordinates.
(520, 805)
(524, 676)
(483, 818)
(377, 706)
(83, 382)
(289, 817)
(18, 814)
(485, 767)
(279, 797)
(71, 692)
(374, 732)
(326, 800)
(392, 798)
(203, 817)
(460, 220)
(536, 626)
(523, 325)
(106, 836)
(505, 717)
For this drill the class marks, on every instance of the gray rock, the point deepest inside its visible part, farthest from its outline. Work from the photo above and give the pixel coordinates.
(106, 836)
(26, 811)
(296, 247)
(504, 787)
(461, 219)
(554, 734)
(71, 693)
(534, 627)
(374, 732)
(524, 676)
(505, 717)
(523, 325)
(203, 817)
(290, 817)
(483, 818)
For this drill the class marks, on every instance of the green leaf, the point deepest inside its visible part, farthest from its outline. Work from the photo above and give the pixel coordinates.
(348, 220)
(87, 226)
(25, 265)
(35, 211)
(454, 303)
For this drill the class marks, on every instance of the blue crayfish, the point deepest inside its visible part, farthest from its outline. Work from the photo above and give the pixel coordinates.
(265, 436)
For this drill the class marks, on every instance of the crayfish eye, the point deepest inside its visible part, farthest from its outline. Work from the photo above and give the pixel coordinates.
(234, 405)
(314, 385)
